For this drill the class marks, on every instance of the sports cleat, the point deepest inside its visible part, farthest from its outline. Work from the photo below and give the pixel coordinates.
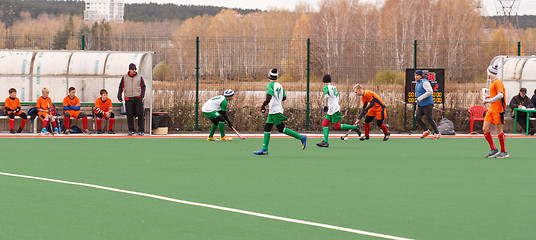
(67, 131)
(212, 139)
(225, 138)
(56, 131)
(358, 131)
(111, 132)
(141, 134)
(386, 137)
(11, 131)
(44, 131)
(304, 142)
(99, 131)
(364, 138)
(322, 144)
(502, 155)
(492, 153)
(130, 133)
(86, 132)
(261, 152)
(436, 136)
(425, 133)
(20, 130)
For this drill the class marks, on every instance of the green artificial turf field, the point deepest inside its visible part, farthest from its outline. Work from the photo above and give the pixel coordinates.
(406, 187)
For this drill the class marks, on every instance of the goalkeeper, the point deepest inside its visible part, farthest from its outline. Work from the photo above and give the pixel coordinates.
(216, 111)
(331, 106)
(12, 105)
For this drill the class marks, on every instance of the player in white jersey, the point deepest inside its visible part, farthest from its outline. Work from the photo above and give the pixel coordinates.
(331, 106)
(275, 95)
(216, 111)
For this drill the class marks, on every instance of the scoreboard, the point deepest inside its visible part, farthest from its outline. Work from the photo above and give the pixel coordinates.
(436, 78)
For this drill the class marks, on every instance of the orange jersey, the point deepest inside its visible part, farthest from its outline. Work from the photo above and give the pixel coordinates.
(102, 107)
(495, 88)
(73, 102)
(44, 103)
(11, 104)
(373, 98)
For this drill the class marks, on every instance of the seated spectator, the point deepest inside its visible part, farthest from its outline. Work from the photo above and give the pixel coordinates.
(522, 101)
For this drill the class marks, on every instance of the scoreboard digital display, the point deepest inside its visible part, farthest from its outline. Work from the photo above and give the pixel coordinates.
(436, 78)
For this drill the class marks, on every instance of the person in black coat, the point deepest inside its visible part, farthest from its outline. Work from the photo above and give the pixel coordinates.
(522, 101)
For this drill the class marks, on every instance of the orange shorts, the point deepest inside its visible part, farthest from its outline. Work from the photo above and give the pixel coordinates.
(42, 115)
(73, 113)
(380, 115)
(495, 118)
(15, 113)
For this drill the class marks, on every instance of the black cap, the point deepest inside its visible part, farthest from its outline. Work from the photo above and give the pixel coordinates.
(523, 90)
(326, 78)
(132, 66)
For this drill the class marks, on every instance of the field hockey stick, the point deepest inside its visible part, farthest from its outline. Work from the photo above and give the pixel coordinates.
(484, 94)
(238, 134)
(350, 130)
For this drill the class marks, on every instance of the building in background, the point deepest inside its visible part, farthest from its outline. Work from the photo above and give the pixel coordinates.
(108, 10)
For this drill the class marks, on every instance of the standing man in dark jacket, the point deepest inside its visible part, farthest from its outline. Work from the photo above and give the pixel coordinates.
(425, 104)
(522, 101)
(133, 86)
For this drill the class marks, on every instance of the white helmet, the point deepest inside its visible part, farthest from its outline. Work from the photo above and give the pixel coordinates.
(228, 93)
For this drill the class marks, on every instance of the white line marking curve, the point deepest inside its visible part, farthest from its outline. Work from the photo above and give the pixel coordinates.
(262, 215)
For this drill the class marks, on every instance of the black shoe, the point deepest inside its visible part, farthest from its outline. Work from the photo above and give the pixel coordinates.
(111, 132)
(99, 131)
(11, 131)
(364, 138)
(358, 131)
(322, 144)
(20, 130)
(386, 137)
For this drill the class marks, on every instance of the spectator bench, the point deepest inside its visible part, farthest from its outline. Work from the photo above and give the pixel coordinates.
(87, 108)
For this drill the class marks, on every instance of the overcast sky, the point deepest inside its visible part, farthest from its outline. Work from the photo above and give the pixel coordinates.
(526, 7)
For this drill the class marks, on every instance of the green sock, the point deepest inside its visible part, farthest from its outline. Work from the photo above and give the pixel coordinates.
(326, 133)
(266, 141)
(212, 130)
(346, 127)
(222, 129)
(292, 134)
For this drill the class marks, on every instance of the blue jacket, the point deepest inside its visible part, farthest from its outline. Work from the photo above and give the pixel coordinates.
(419, 90)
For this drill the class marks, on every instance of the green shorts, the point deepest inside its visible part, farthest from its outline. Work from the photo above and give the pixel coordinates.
(276, 119)
(212, 115)
(335, 118)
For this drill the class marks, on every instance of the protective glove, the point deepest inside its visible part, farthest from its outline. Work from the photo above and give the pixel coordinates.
(325, 108)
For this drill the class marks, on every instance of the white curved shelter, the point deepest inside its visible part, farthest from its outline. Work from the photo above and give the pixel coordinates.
(29, 71)
(516, 72)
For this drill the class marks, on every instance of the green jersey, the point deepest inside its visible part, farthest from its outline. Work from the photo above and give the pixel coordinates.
(217, 103)
(331, 97)
(276, 90)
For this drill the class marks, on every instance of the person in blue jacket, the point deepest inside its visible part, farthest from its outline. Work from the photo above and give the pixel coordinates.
(425, 104)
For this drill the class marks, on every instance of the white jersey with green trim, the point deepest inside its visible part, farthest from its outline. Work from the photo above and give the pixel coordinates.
(276, 90)
(332, 97)
(217, 103)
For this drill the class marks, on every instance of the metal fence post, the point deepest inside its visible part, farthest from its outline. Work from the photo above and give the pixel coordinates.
(197, 84)
(518, 48)
(308, 75)
(83, 42)
(415, 68)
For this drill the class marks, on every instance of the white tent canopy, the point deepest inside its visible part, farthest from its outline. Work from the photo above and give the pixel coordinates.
(516, 72)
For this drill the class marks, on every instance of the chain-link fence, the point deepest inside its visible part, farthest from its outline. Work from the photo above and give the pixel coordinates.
(183, 65)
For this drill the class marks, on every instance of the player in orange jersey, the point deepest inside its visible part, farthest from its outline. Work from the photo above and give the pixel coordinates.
(495, 113)
(71, 108)
(103, 109)
(373, 107)
(46, 111)
(12, 105)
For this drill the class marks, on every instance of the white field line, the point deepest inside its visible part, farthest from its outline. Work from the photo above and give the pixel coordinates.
(213, 207)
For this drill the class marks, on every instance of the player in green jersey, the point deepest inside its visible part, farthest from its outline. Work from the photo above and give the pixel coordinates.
(331, 106)
(275, 95)
(216, 111)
